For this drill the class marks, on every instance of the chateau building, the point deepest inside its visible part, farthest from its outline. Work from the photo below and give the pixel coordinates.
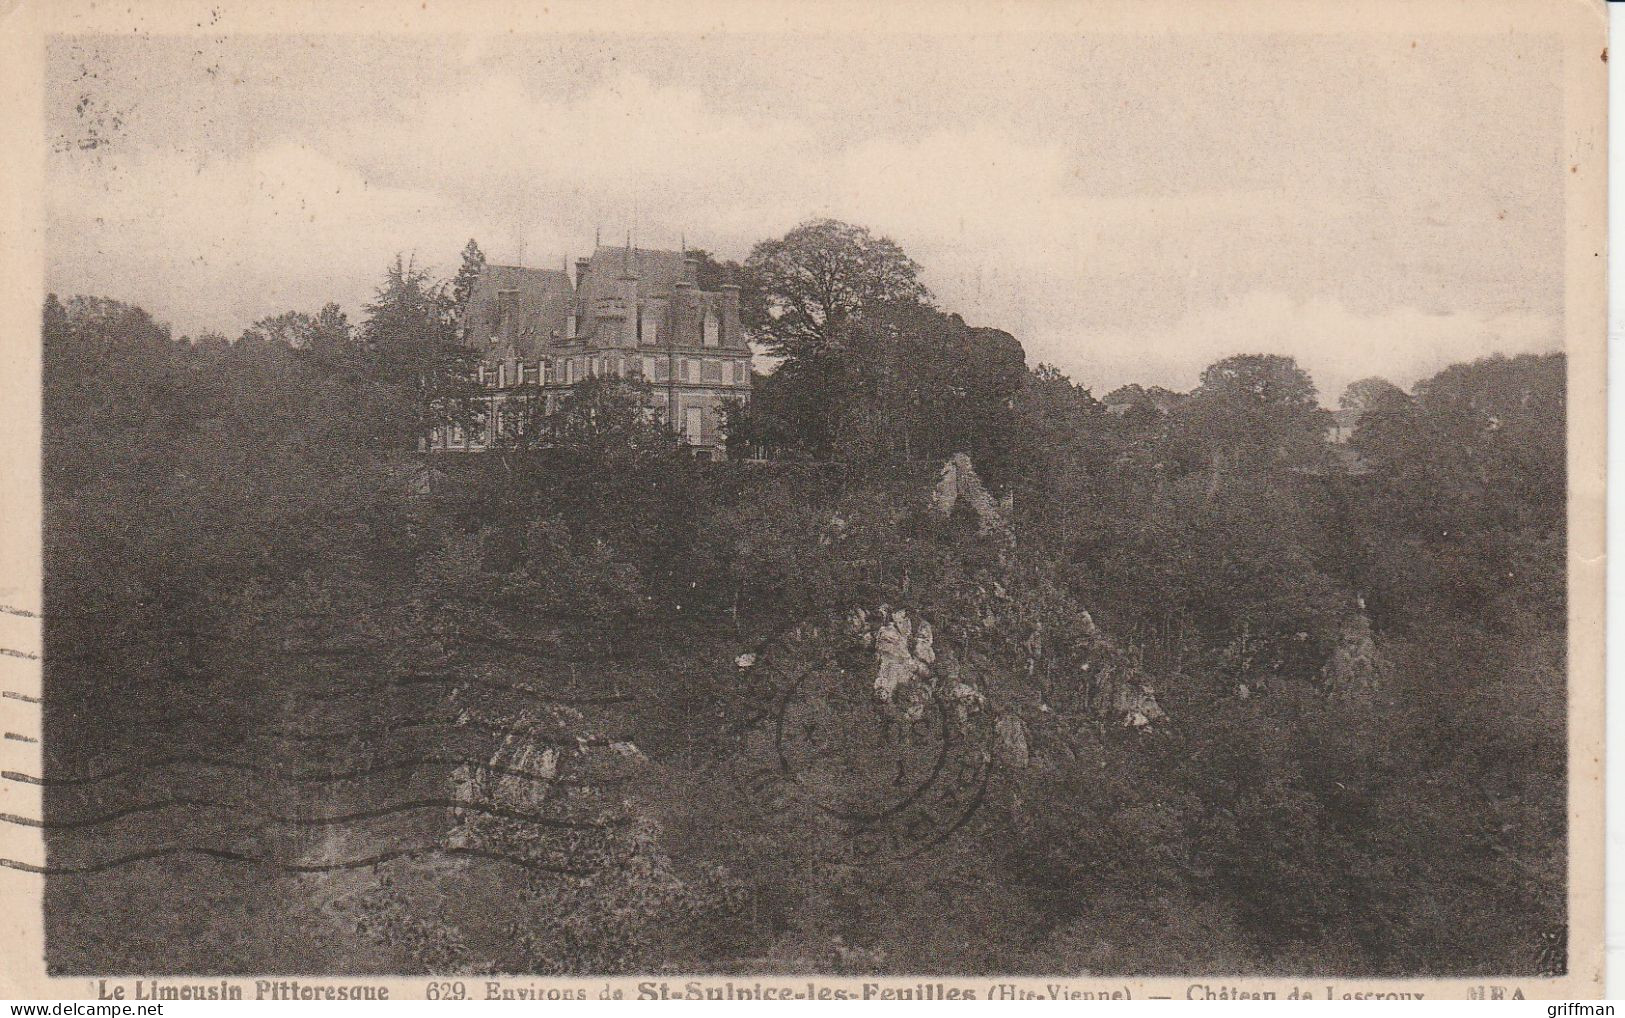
(630, 312)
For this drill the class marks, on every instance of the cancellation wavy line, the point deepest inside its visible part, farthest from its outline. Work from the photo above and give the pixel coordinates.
(390, 731)
(226, 855)
(281, 774)
(409, 806)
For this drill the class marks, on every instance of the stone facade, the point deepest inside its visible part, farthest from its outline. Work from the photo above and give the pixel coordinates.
(629, 312)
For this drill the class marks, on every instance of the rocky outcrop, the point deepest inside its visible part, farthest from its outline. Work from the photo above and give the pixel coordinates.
(910, 675)
(1356, 666)
(1010, 734)
(1133, 703)
(959, 486)
(904, 652)
(550, 790)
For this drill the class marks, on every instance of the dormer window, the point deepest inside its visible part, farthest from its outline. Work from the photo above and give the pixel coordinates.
(713, 328)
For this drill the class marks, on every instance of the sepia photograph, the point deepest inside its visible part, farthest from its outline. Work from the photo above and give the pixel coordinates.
(892, 503)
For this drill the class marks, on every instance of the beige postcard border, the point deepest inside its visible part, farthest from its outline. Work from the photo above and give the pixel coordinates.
(1581, 24)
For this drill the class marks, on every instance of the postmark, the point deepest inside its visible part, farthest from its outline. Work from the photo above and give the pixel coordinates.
(876, 774)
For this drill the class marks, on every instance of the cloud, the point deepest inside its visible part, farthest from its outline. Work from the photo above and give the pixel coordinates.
(556, 166)
(216, 243)
(1070, 228)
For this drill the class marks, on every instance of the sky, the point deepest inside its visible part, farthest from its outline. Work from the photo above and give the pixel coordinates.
(1130, 207)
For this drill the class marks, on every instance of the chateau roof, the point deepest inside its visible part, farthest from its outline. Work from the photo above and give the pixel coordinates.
(543, 297)
(509, 277)
(656, 271)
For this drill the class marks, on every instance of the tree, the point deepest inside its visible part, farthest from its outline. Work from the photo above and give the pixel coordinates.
(331, 332)
(1468, 486)
(605, 417)
(462, 288)
(291, 329)
(1252, 412)
(1368, 393)
(904, 381)
(1267, 382)
(411, 338)
(1059, 424)
(806, 285)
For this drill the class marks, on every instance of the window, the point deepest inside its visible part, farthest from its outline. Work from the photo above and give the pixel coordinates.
(550, 375)
(648, 327)
(648, 367)
(694, 425)
(713, 328)
(711, 371)
(741, 372)
(570, 326)
(662, 370)
(683, 369)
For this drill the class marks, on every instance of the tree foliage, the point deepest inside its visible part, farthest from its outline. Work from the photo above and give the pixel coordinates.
(468, 274)
(809, 285)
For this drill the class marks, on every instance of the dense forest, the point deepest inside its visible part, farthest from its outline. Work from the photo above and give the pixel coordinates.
(1185, 685)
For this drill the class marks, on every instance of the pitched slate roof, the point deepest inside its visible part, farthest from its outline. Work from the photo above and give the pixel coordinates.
(657, 272)
(542, 304)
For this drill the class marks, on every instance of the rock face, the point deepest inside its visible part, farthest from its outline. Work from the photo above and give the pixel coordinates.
(911, 675)
(551, 790)
(1135, 704)
(519, 774)
(1011, 745)
(1356, 667)
(957, 485)
(904, 653)
(1117, 691)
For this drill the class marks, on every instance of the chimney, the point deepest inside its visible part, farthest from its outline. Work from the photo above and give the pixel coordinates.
(691, 270)
(733, 331)
(582, 265)
(684, 303)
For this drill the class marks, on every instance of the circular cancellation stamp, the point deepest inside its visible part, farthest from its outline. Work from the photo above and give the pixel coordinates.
(876, 771)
